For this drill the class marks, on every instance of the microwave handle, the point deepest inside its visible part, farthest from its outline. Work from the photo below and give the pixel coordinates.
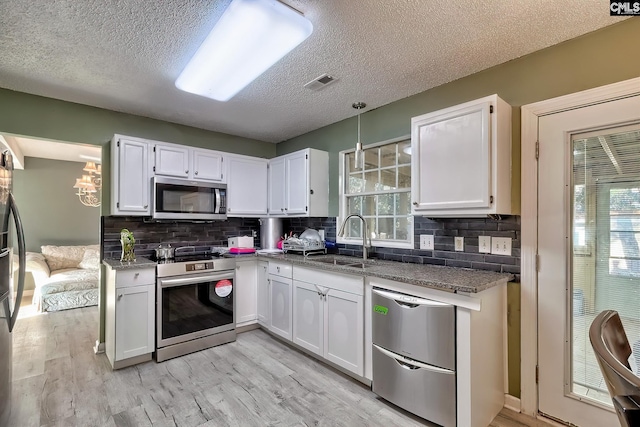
(217, 209)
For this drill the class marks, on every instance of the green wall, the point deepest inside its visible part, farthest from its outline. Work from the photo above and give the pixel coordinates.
(40, 117)
(50, 211)
(599, 58)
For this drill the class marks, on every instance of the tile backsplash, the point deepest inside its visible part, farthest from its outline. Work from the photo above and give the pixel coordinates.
(444, 231)
(149, 235)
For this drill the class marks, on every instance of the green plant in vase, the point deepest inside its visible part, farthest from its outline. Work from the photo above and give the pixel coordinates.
(128, 241)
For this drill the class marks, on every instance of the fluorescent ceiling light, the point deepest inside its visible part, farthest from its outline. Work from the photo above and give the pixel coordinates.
(250, 37)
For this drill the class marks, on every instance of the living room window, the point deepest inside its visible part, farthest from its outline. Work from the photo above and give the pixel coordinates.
(380, 192)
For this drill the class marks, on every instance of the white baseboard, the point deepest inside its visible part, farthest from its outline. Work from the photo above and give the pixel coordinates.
(512, 402)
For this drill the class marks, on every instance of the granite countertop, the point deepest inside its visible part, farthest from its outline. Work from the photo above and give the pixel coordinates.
(140, 262)
(432, 276)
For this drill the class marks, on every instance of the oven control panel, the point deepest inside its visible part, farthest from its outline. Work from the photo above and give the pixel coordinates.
(199, 266)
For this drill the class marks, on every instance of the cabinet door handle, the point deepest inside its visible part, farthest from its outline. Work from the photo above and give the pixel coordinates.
(135, 276)
(415, 203)
(146, 206)
(278, 269)
(187, 171)
(285, 209)
(120, 296)
(282, 209)
(196, 172)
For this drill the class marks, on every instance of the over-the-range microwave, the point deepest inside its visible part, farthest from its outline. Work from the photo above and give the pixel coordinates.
(182, 199)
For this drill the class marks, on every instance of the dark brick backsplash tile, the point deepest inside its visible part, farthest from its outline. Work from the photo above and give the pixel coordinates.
(486, 266)
(502, 259)
(444, 254)
(457, 263)
(433, 261)
(412, 259)
(467, 256)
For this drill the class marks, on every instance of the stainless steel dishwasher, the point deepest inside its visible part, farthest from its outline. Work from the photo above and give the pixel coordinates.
(414, 354)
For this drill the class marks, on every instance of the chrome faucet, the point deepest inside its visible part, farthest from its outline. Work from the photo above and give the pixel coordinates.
(364, 234)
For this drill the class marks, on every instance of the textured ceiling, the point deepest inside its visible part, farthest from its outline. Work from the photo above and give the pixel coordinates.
(125, 55)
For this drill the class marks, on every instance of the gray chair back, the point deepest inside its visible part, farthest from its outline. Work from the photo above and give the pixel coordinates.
(610, 344)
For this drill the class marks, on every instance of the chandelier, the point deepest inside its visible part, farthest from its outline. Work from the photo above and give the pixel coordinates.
(89, 185)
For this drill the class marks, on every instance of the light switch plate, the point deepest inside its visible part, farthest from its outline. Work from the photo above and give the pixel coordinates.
(484, 244)
(501, 246)
(459, 244)
(426, 242)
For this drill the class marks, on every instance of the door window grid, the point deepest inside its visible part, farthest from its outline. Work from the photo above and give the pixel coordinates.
(380, 192)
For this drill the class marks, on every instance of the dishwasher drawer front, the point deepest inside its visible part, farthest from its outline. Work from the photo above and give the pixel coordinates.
(417, 328)
(425, 391)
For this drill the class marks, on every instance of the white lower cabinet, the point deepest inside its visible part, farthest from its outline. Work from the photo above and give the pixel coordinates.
(280, 318)
(263, 293)
(328, 316)
(308, 317)
(130, 316)
(246, 292)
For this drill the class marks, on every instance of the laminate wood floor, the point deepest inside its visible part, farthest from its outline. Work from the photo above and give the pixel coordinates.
(255, 381)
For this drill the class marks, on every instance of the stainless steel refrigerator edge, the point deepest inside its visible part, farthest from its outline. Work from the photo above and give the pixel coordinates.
(8, 314)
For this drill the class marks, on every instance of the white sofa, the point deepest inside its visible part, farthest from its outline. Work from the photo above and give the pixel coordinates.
(65, 276)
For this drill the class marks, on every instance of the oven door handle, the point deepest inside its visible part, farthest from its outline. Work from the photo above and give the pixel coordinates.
(179, 281)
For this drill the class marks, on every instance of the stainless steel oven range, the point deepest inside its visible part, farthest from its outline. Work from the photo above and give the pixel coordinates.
(195, 304)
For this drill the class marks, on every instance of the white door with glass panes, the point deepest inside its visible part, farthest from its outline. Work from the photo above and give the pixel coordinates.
(380, 192)
(171, 160)
(308, 316)
(277, 186)
(296, 186)
(588, 243)
(207, 165)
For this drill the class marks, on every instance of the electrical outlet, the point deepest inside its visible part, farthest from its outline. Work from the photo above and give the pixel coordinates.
(426, 242)
(459, 244)
(501, 246)
(484, 244)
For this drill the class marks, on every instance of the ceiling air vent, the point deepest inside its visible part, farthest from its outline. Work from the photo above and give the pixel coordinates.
(320, 82)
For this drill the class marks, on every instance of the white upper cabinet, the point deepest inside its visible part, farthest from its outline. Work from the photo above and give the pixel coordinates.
(180, 161)
(461, 160)
(171, 160)
(277, 186)
(246, 186)
(130, 175)
(299, 184)
(207, 165)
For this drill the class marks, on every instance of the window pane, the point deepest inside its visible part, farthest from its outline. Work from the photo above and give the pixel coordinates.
(355, 205)
(371, 158)
(404, 177)
(388, 179)
(385, 204)
(371, 227)
(371, 181)
(403, 203)
(354, 228)
(369, 206)
(356, 184)
(404, 152)
(386, 227)
(402, 228)
(388, 155)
